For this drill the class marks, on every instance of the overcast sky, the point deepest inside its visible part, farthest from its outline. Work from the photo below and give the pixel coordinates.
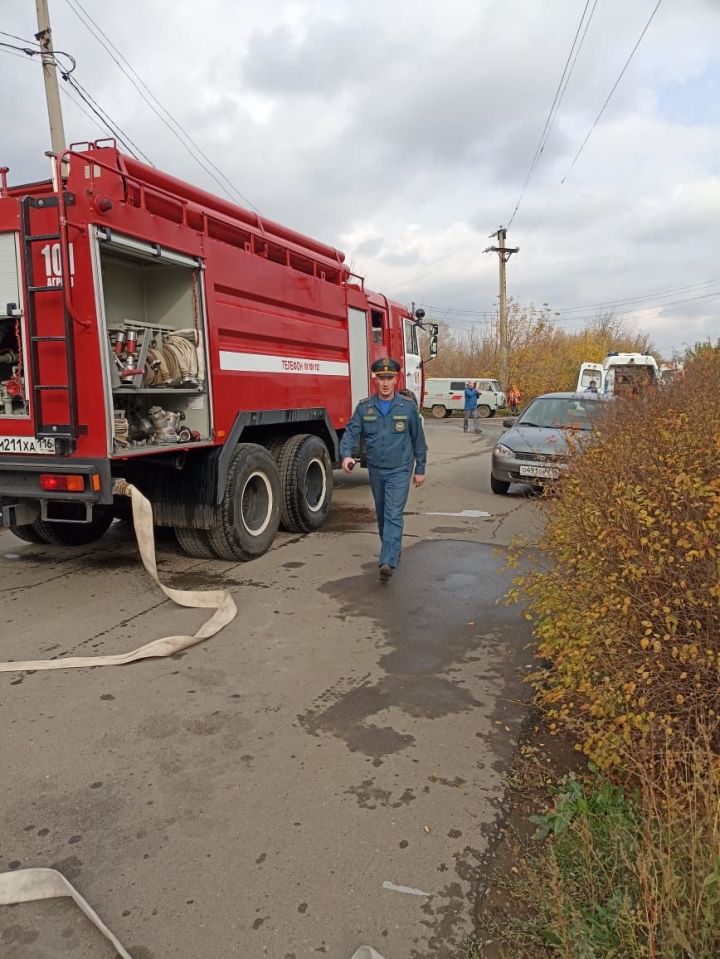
(402, 132)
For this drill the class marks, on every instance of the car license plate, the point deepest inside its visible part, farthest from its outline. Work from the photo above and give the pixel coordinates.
(544, 472)
(26, 444)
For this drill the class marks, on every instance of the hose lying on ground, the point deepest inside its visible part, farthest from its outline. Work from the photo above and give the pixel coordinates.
(218, 599)
(33, 885)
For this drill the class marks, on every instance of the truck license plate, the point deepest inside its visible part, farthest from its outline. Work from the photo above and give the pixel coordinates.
(26, 444)
(545, 472)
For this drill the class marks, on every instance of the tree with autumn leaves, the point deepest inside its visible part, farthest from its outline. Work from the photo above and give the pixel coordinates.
(543, 356)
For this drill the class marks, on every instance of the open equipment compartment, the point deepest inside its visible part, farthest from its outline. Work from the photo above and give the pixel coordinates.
(13, 388)
(155, 341)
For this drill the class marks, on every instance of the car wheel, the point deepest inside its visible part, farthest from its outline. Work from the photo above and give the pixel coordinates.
(439, 411)
(499, 486)
(484, 411)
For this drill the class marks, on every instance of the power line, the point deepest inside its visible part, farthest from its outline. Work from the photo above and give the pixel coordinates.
(406, 276)
(33, 43)
(11, 51)
(106, 123)
(152, 101)
(562, 86)
(614, 88)
(594, 124)
(68, 93)
(652, 307)
(426, 273)
(635, 299)
(457, 310)
(593, 307)
(557, 100)
(26, 50)
(106, 119)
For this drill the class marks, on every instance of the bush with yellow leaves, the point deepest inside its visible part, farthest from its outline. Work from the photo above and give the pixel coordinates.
(627, 604)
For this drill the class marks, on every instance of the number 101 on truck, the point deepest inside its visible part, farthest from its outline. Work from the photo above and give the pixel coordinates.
(153, 332)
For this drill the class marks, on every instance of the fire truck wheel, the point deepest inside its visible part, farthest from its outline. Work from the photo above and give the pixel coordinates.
(30, 533)
(274, 446)
(249, 514)
(77, 534)
(194, 542)
(306, 483)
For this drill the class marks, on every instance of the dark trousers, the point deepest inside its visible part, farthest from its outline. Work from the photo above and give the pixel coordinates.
(390, 489)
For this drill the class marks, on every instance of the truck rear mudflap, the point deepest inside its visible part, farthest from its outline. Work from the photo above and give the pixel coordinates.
(52, 489)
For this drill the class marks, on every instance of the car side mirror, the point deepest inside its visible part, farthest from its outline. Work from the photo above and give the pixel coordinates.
(433, 346)
(509, 421)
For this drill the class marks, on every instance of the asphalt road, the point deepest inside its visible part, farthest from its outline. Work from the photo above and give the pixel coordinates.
(251, 796)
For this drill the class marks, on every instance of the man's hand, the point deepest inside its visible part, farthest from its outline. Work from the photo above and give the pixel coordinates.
(418, 479)
(347, 464)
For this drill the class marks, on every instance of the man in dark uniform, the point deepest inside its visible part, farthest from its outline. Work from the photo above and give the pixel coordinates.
(391, 428)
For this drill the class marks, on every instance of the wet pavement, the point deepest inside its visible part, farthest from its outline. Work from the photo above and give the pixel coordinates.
(252, 795)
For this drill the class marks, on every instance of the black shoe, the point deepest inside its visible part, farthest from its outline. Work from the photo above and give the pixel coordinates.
(386, 572)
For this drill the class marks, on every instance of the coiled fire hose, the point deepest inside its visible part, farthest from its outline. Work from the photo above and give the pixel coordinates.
(175, 360)
(219, 600)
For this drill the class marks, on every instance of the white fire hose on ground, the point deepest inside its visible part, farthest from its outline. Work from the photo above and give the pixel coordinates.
(219, 600)
(33, 885)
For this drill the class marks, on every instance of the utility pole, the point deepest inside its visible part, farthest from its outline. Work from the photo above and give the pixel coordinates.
(52, 93)
(504, 253)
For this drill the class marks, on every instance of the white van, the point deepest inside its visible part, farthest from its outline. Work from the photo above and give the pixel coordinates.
(620, 374)
(444, 395)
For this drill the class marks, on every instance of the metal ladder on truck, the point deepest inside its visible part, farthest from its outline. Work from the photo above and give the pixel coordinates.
(64, 433)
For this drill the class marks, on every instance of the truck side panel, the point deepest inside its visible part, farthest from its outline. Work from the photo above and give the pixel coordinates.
(278, 339)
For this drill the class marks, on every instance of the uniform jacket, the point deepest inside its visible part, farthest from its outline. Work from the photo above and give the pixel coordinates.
(391, 441)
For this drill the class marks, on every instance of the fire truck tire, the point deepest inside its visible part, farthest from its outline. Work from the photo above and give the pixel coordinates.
(194, 542)
(76, 534)
(249, 514)
(29, 532)
(274, 446)
(306, 483)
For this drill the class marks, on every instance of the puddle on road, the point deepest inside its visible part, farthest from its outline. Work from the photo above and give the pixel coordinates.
(344, 518)
(438, 612)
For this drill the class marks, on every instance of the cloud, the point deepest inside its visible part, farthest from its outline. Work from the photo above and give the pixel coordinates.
(404, 131)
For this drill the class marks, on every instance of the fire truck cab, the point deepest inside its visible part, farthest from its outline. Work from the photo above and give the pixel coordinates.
(154, 332)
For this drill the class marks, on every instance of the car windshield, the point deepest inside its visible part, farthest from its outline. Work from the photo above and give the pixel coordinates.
(560, 413)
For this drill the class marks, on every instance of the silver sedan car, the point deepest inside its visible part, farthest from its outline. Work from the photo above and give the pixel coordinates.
(536, 446)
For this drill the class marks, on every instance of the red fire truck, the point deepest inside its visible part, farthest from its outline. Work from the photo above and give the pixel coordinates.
(154, 332)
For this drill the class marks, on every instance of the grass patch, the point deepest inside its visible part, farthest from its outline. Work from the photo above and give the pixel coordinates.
(612, 872)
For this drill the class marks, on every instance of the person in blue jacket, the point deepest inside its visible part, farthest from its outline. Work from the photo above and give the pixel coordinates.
(390, 426)
(472, 396)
